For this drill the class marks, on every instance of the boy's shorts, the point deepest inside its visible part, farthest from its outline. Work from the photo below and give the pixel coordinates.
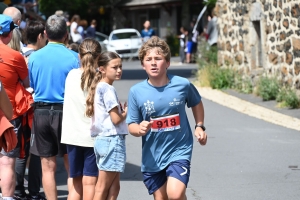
(179, 169)
(82, 161)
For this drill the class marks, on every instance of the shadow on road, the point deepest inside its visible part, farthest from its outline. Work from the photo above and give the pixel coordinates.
(132, 173)
(137, 74)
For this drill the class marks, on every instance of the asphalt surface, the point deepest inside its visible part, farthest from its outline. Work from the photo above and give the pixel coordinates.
(245, 157)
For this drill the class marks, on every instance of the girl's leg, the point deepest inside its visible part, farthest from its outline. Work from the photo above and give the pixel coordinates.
(115, 188)
(175, 189)
(89, 183)
(161, 193)
(75, 188)
(105, 180)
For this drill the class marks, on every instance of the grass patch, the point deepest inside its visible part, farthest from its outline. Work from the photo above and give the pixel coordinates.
(268, 88)
(288, 98)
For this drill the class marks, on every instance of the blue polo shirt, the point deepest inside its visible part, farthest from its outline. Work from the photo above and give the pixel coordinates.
(48, 69)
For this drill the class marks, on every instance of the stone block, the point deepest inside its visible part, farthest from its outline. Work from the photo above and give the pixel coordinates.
(228, 46)
(239, 59)
(296, 53)
(282, 36)
(280, 4)
(278, 16)
(274, 27)
(273, 58)
(275, 3)
(295, 11)
(289, 58)
(284, 70)
(271, 16)
(241, 45)
(297, 68)
(296, 43)
(291, 32)
(286, 23)
(280, 47)
(225, 30)
(286, 11)
(228, 60)
(268, 29)
(287, 45)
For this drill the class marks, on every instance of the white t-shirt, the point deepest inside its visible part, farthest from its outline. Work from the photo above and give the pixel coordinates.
(76, 37)
(106, 99)
(75, 124)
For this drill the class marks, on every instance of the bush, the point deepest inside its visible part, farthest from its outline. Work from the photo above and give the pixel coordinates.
(208, 55)
(243, 84)
(288, 97)
(173, 43)
(268, 88)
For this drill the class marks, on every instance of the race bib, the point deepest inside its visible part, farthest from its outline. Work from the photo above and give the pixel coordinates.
(165, 123)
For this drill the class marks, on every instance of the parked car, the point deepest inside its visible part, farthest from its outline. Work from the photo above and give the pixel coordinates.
(101, 37)
(125, 42)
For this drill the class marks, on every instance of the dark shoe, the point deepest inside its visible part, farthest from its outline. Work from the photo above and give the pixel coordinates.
(22, 196)
(36, 197)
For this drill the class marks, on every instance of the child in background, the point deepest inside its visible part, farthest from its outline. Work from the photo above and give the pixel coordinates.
(76, 126)
(108, 126)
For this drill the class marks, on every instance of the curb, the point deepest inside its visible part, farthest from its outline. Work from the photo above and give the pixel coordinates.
(250, 109)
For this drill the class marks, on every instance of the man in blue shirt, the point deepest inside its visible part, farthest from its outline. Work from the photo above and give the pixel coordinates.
(48, 69)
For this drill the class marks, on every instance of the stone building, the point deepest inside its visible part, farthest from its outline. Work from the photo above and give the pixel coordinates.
(261, 36)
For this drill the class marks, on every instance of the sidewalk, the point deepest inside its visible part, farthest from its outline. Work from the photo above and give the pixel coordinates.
(254, 106)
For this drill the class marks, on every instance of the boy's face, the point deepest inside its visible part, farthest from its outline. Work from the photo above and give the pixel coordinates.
(155, 64)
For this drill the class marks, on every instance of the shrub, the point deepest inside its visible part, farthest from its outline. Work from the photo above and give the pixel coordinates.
(243, 84)
(173, 43)
(288, 97)
(208, 55)
(268, 88)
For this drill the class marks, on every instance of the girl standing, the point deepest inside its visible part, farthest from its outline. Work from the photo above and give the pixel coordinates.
(76, 126)
(108, 126)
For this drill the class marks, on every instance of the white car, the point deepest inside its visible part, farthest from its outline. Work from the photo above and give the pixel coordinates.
(125, 42)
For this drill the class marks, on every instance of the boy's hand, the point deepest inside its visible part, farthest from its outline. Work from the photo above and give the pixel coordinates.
(201, 136)
(145, 126)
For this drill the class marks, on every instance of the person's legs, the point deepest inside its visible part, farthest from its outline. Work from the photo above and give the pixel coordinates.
(178, 173)
(20, 174)
(182, 54)
(106, 180)
(175, 189)
(48, 178)
(75, 188)
(89, 183)
(189, 51)
(90, 173)
(161, 193)
(156, 184)
(7, 174)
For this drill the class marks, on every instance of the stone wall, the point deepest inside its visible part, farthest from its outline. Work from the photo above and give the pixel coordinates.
(257, 36)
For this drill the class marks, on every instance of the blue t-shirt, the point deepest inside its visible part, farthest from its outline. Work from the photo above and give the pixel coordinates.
(147, 34)
(48, 69)
(162, 146)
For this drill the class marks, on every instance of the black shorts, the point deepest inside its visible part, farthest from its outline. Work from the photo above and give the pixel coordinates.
(46, 130)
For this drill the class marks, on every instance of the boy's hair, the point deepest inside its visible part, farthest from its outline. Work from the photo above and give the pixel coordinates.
(103, 60)
(158, 43)
(32, 31)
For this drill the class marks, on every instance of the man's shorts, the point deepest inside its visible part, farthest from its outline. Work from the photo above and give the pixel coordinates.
(46, 130)
(82, 161)
(179, 169)
(20, 131)
(110, 153)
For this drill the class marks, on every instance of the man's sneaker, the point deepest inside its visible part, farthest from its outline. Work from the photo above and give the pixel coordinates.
(22, 196)
(36, 197)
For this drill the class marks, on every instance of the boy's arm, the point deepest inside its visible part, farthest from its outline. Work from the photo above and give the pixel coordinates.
(198, 112)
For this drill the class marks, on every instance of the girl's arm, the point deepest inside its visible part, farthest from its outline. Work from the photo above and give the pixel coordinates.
(5, 104)
(117, 117)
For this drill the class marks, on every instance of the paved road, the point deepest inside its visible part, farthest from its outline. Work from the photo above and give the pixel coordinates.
(245, 158)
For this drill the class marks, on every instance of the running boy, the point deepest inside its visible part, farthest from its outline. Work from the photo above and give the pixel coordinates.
(156, 111)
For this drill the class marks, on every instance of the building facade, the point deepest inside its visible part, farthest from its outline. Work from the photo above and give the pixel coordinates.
(260, 36)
